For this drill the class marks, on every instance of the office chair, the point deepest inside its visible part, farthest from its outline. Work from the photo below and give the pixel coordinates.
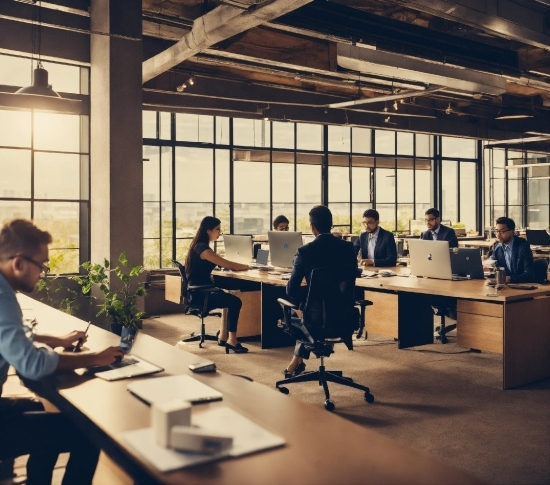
(362, 304)
(200, 310)
(444, 310)
(329, 317)
(540, 268)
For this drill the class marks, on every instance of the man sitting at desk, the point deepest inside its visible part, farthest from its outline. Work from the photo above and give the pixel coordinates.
(513, 253)
(26, 427)
(324, 250)
(281, 223)
(437, 231)
(376, 245)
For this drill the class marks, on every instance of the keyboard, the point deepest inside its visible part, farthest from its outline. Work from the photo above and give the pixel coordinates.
(459, 278)
(115, 365)
(264, 267)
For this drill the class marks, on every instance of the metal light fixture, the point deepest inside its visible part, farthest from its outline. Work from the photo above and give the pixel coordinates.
(39, 84)
(514, 113)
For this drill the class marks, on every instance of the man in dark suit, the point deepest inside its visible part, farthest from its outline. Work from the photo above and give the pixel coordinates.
(437, 231)
(377, 245)
(324, 250)
(513, 253)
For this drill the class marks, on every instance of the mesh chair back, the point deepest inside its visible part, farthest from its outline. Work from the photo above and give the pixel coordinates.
(330, 310)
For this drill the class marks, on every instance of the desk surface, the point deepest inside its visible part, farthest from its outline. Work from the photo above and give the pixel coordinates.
(322, 448)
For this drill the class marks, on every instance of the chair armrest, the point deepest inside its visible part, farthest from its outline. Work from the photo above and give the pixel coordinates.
(364, 303)
(286, 303)
(200, 287)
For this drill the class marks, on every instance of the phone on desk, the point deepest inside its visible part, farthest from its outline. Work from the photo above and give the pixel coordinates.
(208, 366)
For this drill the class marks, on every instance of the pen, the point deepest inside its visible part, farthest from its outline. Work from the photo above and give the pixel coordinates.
(79, 343)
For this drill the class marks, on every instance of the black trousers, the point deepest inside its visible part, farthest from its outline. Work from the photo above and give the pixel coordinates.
(220, 299)
(25, 428)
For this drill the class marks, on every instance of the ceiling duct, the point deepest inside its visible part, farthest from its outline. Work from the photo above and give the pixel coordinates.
(412, 69)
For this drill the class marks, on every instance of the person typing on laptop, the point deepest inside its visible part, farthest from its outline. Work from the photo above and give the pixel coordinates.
(26, 427)
(376, 246)
(200, 262)
(281, 223)
(437, 231)
(324, 250)
(513, 253)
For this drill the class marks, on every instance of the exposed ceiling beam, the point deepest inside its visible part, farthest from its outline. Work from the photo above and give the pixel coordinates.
(402, 67)
(217, 25)
(530, 139)
(503, 18)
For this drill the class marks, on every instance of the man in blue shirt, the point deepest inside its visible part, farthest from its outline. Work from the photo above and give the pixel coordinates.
(26, 427)
(513, 253)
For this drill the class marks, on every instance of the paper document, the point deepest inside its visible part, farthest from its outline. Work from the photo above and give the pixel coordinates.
(248, 437)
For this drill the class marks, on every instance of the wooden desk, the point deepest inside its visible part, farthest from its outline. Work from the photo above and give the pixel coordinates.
(322, 448)
(514, 324)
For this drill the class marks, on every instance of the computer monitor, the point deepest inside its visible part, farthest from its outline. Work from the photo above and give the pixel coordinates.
(430, 259)
(238, 248)
(537, 237)
(467, 262)
(283, 246)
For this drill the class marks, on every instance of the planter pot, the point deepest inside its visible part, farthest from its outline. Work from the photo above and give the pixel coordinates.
(127, 338)
(116, 328)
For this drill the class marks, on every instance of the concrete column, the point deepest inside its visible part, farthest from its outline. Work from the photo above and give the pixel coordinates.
(116, 131)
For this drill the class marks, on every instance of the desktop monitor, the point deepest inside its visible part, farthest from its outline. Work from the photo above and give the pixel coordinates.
(283, 246)
(467, 262)
(537, 237)
(430, 259)
(238, 248)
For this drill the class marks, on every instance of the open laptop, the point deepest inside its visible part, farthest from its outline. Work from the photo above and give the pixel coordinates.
(129, 366)
(431, 259)
(238, 248)
(261, 260)
(167, 388)
(467, 262)
(537, 237)
(283, 246)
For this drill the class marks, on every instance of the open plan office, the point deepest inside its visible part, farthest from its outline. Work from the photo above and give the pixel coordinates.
(187, 168)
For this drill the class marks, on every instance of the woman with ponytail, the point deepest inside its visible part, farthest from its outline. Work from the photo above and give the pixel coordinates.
(200, 262)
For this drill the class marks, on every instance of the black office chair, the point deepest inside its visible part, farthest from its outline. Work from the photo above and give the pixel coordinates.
(362, 304)
(199, 294)
(540, 268)
(329, 317)
(444, 310)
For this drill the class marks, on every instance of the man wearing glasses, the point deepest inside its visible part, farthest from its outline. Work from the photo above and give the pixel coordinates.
(437, 231)
(376, 246)
(513, 253)
(25, 427)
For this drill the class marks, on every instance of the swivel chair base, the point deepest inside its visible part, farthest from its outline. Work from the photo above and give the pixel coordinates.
(324, 377)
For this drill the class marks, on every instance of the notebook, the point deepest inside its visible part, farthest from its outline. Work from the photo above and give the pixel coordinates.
(167, 388)
(129, 366)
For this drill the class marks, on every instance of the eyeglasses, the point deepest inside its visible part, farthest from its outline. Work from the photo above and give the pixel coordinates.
(430, 220)
(369, 223)
(501, 231)
(44, 269)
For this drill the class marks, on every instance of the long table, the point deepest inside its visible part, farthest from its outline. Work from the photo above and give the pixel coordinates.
(515, 323)
(321, 448)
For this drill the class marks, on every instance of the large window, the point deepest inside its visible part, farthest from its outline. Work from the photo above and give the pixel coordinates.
(246, 172)
(44, 160)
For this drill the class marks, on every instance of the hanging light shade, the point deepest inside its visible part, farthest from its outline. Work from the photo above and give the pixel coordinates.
(40, 84)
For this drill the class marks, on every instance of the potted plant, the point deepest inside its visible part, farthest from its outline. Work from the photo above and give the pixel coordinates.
(120, 305)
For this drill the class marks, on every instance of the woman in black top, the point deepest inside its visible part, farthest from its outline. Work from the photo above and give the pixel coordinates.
(200, 262)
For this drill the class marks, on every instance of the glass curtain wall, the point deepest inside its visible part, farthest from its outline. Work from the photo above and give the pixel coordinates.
(523, 194)
(246, 172)
(44, 161)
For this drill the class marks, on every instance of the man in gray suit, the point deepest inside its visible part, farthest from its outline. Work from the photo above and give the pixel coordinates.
(437, 231)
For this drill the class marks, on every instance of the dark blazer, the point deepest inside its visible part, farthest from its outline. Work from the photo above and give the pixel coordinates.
(385, 251)
(522, 261)
(445, 234)
(324, 250)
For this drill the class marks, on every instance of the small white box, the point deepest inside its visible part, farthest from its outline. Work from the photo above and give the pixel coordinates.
(167, 414)
(197, 440)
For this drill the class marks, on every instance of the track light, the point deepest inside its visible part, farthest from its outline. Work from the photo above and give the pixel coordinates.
(449, 110)
(191, 81)
(181, 88)
(395, 105)
(387, 120)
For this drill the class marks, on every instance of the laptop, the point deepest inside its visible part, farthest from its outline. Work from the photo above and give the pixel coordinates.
(283, 246)
(167, 388)
(431, 259)
(238, 248)
(129, 366)
(537, 237)
(467, 262)
(261, 260)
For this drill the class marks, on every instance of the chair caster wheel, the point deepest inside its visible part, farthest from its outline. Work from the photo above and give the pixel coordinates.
(369, 397)
(200, 345)
(284, 390)
(329, 405)
(359, 334)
